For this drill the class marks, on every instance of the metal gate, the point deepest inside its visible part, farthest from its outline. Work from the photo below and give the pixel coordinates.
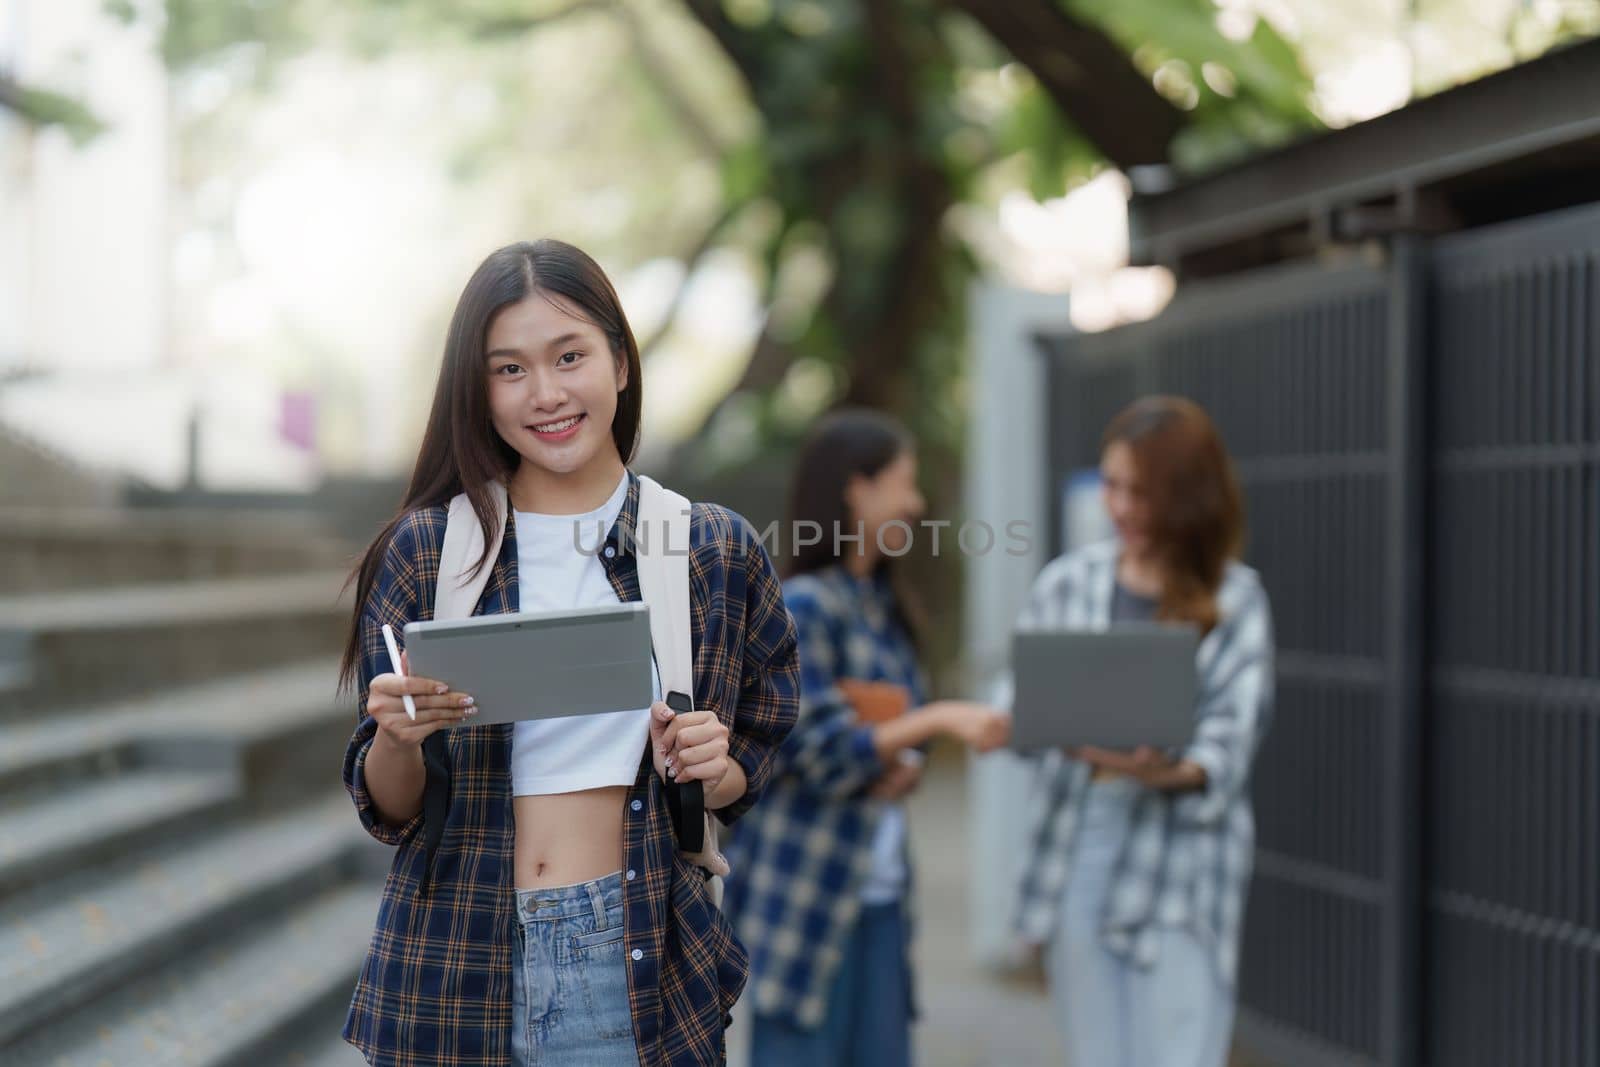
(1419, 444)
(1513, 861)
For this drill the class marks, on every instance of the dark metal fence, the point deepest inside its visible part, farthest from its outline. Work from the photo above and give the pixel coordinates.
(1513, 887)
(1419, 442)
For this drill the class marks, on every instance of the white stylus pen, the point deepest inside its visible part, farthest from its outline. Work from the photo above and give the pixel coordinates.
(394, 662)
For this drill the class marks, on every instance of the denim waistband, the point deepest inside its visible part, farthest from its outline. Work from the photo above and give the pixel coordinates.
(1118, 789)
(571, 901)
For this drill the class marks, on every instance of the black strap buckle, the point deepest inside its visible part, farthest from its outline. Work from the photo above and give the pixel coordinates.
(686, 801)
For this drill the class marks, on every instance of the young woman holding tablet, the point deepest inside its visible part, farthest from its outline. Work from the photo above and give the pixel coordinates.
(546, 916)
(1141, 859)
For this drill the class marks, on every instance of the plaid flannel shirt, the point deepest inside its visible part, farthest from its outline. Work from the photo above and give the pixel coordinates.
(1188, 856)
(800, 860)
(436, 985)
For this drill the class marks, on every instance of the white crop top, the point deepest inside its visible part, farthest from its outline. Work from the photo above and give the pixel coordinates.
(584, 751)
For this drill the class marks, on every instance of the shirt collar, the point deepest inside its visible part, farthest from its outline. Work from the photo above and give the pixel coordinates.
(620, 538)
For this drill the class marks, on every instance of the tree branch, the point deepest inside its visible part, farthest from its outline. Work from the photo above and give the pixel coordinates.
(735, 42)
(1088, 76)
(650, 61)
(661, 77)
(41, 107)
(769, 361)
(513, 25)
(691, 263)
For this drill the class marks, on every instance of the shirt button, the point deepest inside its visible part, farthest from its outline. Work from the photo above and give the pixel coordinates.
(611, 550)
(637, 954)
(630, 874)
(638, 805)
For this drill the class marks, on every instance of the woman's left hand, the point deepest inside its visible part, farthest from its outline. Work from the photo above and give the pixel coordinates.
(692, 746)
(901, 777)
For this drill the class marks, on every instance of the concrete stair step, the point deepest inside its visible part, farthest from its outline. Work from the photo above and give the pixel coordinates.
(44, 549)
(264, 723)
(47, 836)
(156, 923)
(36, 757)
(69, 649)
(229, 1005)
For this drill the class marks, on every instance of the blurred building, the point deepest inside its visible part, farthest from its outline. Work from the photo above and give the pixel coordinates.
(85, 264)
(89, 371)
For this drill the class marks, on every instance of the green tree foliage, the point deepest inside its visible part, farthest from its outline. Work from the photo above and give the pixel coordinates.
(857, 126)
(865, 137)
(867, 140)
(42, 107)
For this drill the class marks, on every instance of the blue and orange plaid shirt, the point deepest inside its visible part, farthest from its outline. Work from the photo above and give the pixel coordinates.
(800, 861)
(436, 985)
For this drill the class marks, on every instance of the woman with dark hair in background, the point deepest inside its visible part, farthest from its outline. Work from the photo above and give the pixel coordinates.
(538, 910)
(821, 872)
(1141, 859)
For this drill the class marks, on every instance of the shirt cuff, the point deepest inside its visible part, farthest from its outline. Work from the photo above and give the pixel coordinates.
(371, 821)
(1207, 804)
(748, 756)
(865, 749)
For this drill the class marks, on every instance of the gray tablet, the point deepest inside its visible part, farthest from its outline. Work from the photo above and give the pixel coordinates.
(1120, 688)
(540, 664)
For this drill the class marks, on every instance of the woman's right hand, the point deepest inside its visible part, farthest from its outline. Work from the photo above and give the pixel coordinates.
(978, 726)
(437, 706)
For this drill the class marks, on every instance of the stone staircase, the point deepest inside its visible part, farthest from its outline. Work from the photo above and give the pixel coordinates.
(48, 549)
(182, 878)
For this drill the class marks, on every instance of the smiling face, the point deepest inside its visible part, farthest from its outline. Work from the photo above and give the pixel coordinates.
(553, 385)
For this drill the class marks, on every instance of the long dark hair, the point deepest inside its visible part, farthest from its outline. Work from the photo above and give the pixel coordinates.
(845, 443)
(461, 452)
(1196, 508)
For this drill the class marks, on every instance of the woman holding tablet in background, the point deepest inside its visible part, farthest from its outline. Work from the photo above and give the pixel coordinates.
(1140, 860)
(550, 918)
(821, 871)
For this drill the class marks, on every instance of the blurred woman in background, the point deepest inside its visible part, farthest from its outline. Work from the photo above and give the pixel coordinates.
(1136, 881)
(821, 871)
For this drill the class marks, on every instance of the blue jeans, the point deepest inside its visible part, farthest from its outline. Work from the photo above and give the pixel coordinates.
(869, 1007)
(1112, 1013)
(569, 978)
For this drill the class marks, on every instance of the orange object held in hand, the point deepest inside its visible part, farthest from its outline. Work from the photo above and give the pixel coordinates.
(875, 702)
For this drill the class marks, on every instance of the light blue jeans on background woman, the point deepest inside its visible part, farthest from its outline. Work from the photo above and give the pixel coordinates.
(569, 984)
(1111, 1012)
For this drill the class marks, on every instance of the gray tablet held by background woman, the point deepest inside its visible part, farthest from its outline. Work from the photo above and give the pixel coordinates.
(1136, 885)
(1127, 687)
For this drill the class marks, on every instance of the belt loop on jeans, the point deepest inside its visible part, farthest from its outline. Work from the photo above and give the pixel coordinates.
(597, 900)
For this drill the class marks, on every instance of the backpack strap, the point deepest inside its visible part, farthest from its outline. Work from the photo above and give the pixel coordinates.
(456, 593)
(455, 596)
(661, 543)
